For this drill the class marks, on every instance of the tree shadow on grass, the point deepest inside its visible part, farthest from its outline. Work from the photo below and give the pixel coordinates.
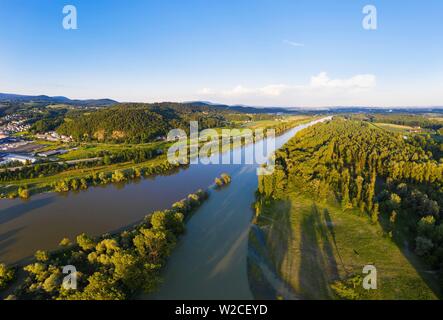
(269, 251)
(318, 267)
(279, 222)
(330, 226)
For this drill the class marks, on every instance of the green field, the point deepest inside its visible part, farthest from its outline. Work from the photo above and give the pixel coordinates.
(90, 150)
(275, 122)
(401, 129)
(395, 127)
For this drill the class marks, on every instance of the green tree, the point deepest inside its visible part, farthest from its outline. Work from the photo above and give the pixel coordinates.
(41, 256)
(426, 226)
(83, 184)
(100, 287)
(103, 177)
(85, 242)
(375, 213)
(53, 282)
(226, 178)
(423, 246)
(394, 201)
(152, 244)
(61, 186)
(6, 275)
(168, 221)
(75, 184)
(218, 182)
(118, 176)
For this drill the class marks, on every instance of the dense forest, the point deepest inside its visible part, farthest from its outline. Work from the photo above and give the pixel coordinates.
(137, 123)
(396, 181)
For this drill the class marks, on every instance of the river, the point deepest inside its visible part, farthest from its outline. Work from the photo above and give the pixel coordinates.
(210, 259)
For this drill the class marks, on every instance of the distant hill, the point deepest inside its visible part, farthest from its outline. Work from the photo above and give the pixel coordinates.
(6, 97)
(243, 108)
(371, 110)
(44, 100)
(333, 109)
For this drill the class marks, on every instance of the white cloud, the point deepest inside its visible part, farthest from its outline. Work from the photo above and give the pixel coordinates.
(206, 91)
(238, 91)
(318, 83)
(274, 89)
(361, 81)
(293, 43)
(319, 90)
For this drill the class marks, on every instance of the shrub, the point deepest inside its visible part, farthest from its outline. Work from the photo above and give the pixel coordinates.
(61, 186)
(223, 180)
(41, 256)
(346, 289)
(65, 242)
(218, 182)
(23, 193)
(118, 176)
(226, 178)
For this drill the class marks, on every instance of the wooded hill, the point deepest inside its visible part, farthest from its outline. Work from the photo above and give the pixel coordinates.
(138, 123)
(43, 99)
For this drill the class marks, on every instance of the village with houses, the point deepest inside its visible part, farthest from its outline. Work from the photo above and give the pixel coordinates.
(17, 147)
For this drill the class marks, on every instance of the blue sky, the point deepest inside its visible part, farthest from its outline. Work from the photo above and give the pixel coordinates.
(260, 52)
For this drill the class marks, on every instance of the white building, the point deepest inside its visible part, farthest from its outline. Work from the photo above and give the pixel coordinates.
(17, 157)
